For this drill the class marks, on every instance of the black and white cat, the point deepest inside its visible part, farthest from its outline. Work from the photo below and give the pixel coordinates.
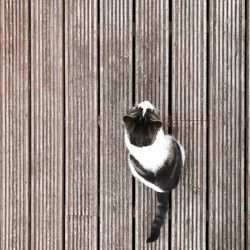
(155, 159)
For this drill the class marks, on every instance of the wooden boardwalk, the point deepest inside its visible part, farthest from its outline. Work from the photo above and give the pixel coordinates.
(69, 69)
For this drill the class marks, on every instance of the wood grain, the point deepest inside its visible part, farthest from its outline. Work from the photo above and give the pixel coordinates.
(189, 86)
(68, 72)
(115, 98)
(14, 125)
(46, 125)
(151, 83)
(247, 183)
(227, 125)
(81, 143)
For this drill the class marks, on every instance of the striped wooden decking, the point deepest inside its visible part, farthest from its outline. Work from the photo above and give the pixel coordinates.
(68, 72)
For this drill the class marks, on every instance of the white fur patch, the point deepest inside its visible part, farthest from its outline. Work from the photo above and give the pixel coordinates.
(151, 157)
(183, 154)
(145, 105)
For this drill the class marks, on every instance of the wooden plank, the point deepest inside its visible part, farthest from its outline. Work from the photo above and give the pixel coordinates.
(115, 98)
(81, 125)
(151, 83)
(248, 127)
(226, 125)
(14, 125)
(46, 125)
(189, 85)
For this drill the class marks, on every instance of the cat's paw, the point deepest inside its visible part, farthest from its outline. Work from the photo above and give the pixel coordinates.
(153, 236)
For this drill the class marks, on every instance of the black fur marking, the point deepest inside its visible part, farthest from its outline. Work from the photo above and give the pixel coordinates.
(142, 129)
(168, 176)
(147, 175)
(140, 136)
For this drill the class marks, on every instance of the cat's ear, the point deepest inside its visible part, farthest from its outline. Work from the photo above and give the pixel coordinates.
(156, 124)
(129, 122)
(154, 127)
(155, 120)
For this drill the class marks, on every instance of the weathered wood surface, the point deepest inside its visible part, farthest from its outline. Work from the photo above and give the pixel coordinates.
(47, 164)
(70, 69)
(81, 148)
(247, 183)
(151, 83)
(115, 98)
(189, 122)
(226, 125)
(14, 125)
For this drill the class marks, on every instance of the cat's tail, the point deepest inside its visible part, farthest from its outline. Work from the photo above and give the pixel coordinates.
(162, 207)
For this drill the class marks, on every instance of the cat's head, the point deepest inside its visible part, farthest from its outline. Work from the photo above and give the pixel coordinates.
(142, 123)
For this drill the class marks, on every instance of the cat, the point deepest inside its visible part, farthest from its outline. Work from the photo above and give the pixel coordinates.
(154, 158)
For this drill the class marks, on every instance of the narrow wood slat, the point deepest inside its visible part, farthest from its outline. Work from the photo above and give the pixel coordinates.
(14, 125)
(115, 97)
(81, 143)
(151, 83)
(189, 85)
(226, 125)
(46, 125)
(248, 126)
